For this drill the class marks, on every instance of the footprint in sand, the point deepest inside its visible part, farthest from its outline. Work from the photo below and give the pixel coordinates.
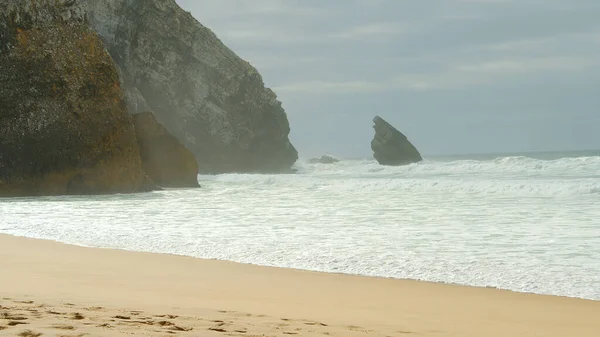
(29, 333)
(15, 323)
(178, 328)
(217, 329)
(94, 309)
(34, 312)
(164, 323)
(63, 327)
(52, 312)
(167, 316)
(358, 329)
(7, 315)
(315, 323)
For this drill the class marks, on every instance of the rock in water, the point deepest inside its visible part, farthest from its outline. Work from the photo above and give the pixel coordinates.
(64, 124)
(164, 158)
(214, 102)
(325, 159)
(391, 147)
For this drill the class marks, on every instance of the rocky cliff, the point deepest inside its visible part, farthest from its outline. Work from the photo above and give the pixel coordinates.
(164, 158)
(214, 102)
(64, 125)
(391, 147)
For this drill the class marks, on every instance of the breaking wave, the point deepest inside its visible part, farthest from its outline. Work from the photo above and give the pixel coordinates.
(513, 175)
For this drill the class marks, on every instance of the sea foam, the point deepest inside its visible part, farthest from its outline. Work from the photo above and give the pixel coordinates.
(514, 222)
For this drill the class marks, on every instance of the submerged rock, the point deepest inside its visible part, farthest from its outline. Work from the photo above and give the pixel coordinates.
(214, 102)
(325, 159)
(64, 124)
(391, 147)
(164, 158)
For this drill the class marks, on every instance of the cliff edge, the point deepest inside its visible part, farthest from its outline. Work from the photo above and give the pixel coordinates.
(64, 124)
(391, 147)
(214, 102)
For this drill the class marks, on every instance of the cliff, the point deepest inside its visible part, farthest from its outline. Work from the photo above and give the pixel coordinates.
(392, 147)
(214, 102)
(64, 124)
(164, 158)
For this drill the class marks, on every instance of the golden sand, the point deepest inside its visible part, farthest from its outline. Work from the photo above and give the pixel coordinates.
(55, 289)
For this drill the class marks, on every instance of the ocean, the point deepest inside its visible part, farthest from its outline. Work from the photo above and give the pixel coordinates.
(523, 222)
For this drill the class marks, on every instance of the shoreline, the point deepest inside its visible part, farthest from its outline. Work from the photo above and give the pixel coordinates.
(260, 299)
(305, 270)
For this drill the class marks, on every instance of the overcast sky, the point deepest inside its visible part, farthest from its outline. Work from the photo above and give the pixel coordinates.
(456, 76)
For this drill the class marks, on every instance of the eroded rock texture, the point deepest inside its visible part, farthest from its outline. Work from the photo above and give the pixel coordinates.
(391, 147)
(214, 102)
(64, 124)
(164, 158)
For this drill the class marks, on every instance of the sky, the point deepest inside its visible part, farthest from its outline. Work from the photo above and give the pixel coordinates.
(455, 76)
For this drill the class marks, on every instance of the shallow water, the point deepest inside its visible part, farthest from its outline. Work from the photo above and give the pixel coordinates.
(517, 223)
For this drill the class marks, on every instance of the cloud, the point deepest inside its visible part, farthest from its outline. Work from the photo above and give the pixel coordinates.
(273, 62)
(210, 9)
(322, 87)
(307, 54)
(377, 29)
(544, 43)
(520, 66)
(487, 2)
(453, 77)
(267, 36)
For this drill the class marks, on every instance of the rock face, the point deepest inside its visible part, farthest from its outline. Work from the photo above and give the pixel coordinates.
(214, 102)
(391, 147)
(164, 158)
(325, 159)
(64, 125)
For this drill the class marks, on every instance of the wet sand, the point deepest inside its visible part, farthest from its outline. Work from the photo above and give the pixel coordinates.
(55, 289)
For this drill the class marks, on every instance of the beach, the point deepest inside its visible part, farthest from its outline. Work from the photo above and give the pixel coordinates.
(63, 290)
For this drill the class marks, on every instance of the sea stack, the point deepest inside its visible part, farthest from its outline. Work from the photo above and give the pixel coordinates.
(391, 147)
(64, 124)
(214, 102)
(324, 159)
(164, 158)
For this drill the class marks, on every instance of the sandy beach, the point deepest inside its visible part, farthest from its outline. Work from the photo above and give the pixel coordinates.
(53, 289)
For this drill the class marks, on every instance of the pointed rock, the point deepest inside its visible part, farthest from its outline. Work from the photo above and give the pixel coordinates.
(391, 147)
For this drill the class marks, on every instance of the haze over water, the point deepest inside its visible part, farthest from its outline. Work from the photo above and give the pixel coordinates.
(511, 222)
